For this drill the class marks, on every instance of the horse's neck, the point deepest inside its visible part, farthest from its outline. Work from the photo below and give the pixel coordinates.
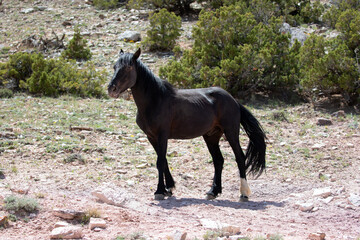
(144, 90)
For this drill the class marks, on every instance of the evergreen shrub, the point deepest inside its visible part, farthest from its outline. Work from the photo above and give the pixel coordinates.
(328, 67)
(77, 48)
(19, 67)
(105, 4)
(6, 93)
(53, 77)
(164, 31)
(233, 50)
(178, 6)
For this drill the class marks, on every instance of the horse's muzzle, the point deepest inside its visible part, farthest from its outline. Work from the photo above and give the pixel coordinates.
(113, 91)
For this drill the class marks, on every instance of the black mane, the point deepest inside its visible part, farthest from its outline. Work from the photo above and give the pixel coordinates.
(153, 85)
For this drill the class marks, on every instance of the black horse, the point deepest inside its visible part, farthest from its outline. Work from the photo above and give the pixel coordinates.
(165, 112)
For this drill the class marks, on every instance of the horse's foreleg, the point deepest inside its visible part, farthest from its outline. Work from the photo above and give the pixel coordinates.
(160, 146)
(160, 191)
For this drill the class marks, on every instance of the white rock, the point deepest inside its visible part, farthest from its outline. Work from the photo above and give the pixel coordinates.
(143, 140)
(97, 223)
(218, 226)
(327, 200)
(237, 237)
(66, 232)
(179, 235)
(142, 166)
(354, 199)
(297, 195)
(28, 10)
(130, 36)
(117, 197)
(61, 224)
(306, 207)
(318, 146)
(322, 192)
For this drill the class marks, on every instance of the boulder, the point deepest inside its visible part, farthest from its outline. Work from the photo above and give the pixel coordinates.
(354, 199)
(317, 236)
(118, 197)
(295, 33)
(322, 192)
(179, 235)
(68, 214)
(97, 223)
(130, 36)
(68, 232)
(306, 207)
(323, 122)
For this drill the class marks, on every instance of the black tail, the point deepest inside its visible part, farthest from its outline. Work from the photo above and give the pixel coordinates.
(255, 153)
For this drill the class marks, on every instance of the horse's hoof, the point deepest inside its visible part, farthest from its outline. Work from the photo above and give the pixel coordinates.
(210, 196)
(159, 196)
(244, 198)
(168, 192)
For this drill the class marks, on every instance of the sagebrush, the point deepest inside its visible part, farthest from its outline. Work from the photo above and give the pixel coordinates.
(21, 204)
(53, 77)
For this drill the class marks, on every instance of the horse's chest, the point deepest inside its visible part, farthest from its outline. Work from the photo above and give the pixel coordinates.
(148, 124)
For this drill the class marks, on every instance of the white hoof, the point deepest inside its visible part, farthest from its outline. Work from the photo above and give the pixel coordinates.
(244, 188)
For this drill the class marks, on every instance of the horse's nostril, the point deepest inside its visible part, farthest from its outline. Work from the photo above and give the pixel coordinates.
(112, 88)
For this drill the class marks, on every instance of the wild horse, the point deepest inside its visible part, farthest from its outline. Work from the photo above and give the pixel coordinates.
(165, 112)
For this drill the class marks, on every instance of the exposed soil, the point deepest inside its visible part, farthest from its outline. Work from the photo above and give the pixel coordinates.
(301, 155)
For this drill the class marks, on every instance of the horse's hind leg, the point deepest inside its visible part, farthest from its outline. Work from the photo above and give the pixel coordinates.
(169, 181)
(212, 143)
(233, 139)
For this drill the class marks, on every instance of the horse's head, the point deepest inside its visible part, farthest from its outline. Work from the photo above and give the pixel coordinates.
(124, 73)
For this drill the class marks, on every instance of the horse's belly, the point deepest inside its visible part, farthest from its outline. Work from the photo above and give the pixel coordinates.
(191, 129)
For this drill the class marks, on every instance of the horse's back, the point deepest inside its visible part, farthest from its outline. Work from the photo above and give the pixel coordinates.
(198, 111)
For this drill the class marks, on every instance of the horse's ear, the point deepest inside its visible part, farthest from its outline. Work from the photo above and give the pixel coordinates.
(136, 55)
(121, 52)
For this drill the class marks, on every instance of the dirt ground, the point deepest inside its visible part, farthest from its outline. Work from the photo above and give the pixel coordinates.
(303, 158)
(124, 162)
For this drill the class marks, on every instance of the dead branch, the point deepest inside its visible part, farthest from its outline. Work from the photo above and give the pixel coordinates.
(79, 128)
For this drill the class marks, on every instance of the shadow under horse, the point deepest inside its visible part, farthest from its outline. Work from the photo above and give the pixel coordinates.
(165, 112)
